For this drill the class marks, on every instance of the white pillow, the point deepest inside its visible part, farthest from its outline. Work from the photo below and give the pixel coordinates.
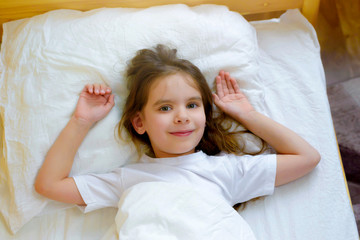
(46, 61)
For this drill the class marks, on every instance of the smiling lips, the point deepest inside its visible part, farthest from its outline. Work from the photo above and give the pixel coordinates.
(182, 133)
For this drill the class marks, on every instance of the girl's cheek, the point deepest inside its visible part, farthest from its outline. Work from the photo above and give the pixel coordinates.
(161, 119)
(203, 115)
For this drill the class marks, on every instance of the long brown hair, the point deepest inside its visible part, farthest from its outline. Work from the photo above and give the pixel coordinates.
(150, 64)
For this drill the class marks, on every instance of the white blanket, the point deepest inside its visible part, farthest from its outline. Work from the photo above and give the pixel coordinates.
(168, 211)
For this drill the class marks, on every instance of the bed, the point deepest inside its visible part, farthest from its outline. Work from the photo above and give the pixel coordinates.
(50, 49)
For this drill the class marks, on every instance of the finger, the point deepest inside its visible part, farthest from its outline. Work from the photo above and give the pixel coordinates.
(235, 85)
(228, 83)
(110, 103)
(96, 88)
(102, 89)
(88, 88)
(217, 101)
(107, 96)
(221, 74)
(224, 85)
(219, 89)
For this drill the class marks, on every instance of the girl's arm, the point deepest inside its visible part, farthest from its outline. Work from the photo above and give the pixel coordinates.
(52, 181)
(295, 157)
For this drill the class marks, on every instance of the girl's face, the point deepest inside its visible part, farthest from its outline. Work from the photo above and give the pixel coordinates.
(173, 117)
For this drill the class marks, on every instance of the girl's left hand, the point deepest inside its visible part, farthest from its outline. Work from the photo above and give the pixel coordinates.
(229, 98)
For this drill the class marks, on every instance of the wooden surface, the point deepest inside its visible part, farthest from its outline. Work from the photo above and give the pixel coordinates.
(17, 9)
(310, 9)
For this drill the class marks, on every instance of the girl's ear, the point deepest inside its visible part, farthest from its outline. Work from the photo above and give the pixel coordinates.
(138, 124)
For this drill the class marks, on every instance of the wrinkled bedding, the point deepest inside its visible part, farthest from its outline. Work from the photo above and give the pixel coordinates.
(157, 210)
(277, 63)
(48, 59)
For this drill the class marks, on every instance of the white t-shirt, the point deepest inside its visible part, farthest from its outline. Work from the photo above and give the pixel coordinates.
(235, 178)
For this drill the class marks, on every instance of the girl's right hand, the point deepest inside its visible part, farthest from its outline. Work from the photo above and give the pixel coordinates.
(94, 103)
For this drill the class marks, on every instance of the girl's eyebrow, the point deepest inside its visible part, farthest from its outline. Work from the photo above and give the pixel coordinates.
(162, 101)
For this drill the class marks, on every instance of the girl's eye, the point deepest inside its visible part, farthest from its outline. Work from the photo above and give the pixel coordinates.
(192, 105)
(165, 108)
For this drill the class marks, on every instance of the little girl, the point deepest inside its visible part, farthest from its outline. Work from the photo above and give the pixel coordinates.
(169, 116)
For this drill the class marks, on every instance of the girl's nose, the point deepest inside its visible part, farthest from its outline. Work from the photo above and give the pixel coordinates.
(181, 116)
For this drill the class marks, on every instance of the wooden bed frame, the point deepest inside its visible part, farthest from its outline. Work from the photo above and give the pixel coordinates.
(16, 9)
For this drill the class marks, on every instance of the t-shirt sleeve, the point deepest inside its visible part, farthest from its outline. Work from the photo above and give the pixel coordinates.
(99, 190)
(254, 176)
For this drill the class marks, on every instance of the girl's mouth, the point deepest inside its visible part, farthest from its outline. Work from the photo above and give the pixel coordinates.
(182, 133)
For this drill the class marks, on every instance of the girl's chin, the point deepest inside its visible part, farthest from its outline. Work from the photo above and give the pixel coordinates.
(173, 153)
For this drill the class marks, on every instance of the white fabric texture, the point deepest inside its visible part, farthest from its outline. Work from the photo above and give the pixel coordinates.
(234, 178)
(318, 205)
(159, 210)
(48, 59)
(289, 87)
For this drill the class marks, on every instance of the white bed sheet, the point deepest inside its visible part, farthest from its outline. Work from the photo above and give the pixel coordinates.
(293, 84)
(316, 206)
